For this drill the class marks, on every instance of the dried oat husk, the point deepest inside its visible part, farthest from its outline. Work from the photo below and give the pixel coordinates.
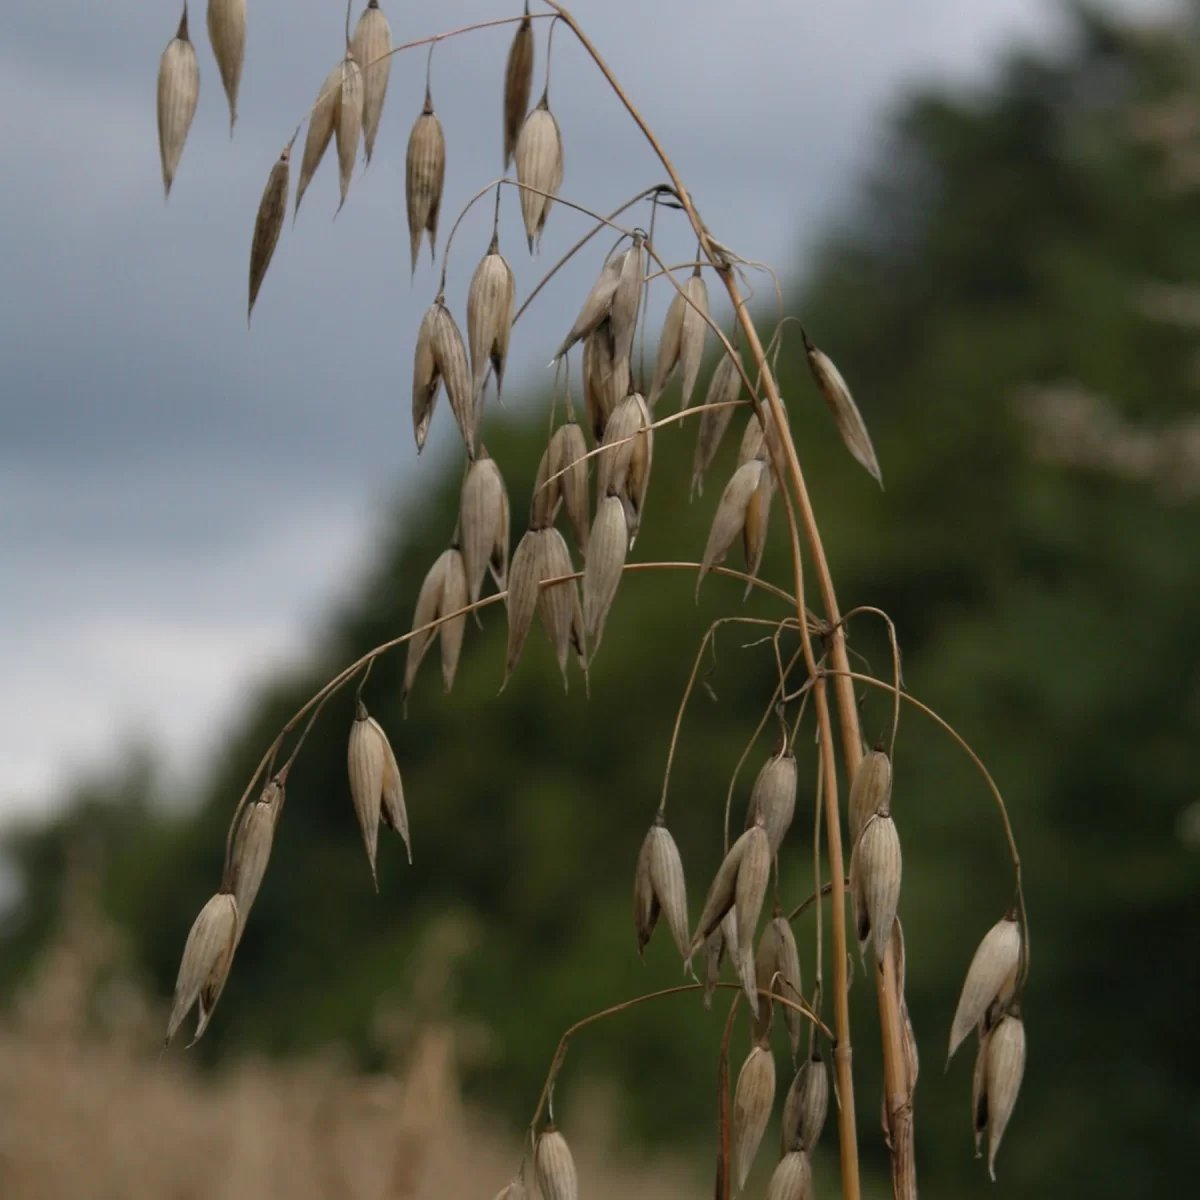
(681, 345)
(424, 179)
(252, 849)
(792, 1179)
(391, 809)
(637, 482)
(773, 796)
(806, 1106)
(321, 122)
(667, 879)
(756, 524)
(845, 412)
(539, 156)
(367, 761)
(754, 873)
(207, 956)
(268, 224)
(979, 1107)
(646, 905)
(556, 602)
(489, 317)
(554, 1166)
(765, 971)
(991, 976)
(720, 898)
(626, 300)
(787, 968)
(603, 567)
(524, 580)
(441, 357)
(443, 591)
(178, 92)
(483, 520)
(1005, 1067)
(348, 125)
(723, 389)
(568, 460)
(614, 463)
(730, 518)
(371, 46)
(875, 871)
(227, 33)
(753, 1099)
(597, 306)
(606, 382)
(518, 83)
(547, 493)
(871, 791)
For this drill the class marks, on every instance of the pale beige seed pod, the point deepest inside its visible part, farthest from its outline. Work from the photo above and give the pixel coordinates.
(455, 596)
(524, 581)
(758, 519)
(875, 870)
(498, 563)
(348, 123)
(321, 122)
(518, 83)
(483, 507)
(646, 905)
(637, 483)
(754, 873)
(489, 317)
(681, 346)
(845, 412)
(391, 809)
(371, 46)
(667, 880)
(730, 518)
(614, 461)
(606, 382)
(627, 300)
(720, 898)
(268, 224)
(568, 460)
(367, 760)
(723, 389)
(207, 955)
(427, 379)
(554, 1167)
(450, 361)
(178, 92)
(424, 179)
(753, 1099)
(792, 1178)
(993, 971)
(597, 306)
(787, 966)
(556, 602)
(252, 849)
(603, 567)
(227, 33)
(765, 978)
(539, 156)
(806, 1106)
(547, 494)
(979, 1108)
(871, 791)
(428, 608)
(1005, 1067)
(773, 797)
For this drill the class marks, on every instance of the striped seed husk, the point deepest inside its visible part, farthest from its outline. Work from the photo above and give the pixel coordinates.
(627, 300)
(321, 122)
(758, 520)
(993, 971)
(754, 873)
(207, 955)
(979, 1108)
(391, 809)
(178, 92)
(765, 970)
(554, 1166)
(227, 33)
(730, 518)
(774, 797)
(792, 1178)
(371, 45)
(870, 792)
(646, 906)
(753, 1099)
(556, 603)
(252, 849)
(613, 463)
(268, 224)
(603, 566)
(524, 580)
(597, 306)
(539, 156)
(724, 388)
(568, 452)
(667, 880)
(348, 126)
(606, 382)
(429, 602)
(443, 591)
(547, 494)
(482, 510)
(427, 379)
(846, 416)
(424, 179)
(1005, 1067)
(518, 83)
(498, 563)
(806, 1106)
(787, 967)
(875, 871)
(367, 760)
(637, 481)
(720, 898)
(489, 318)
(450, 359)
(681, 345)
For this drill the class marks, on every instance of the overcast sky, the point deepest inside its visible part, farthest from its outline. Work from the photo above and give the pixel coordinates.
(181, 501)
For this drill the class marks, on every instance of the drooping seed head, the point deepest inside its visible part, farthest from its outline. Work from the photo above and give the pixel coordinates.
(391, 810)
(597, 307)
(979, 1107)
(539, 156)
(603, 567)
(774, 797)
(871, 791)
(787, 968)
(993, 971)
(605, 381)
(556, 601)
(792, 1178)
(845, 412)
(1005, 1067)
(646, 906)
(723, 389)
(547, 494)
(268, 224)
(668, 884)
(227, 33)
(424, 179)
(371, 45)
(758, 519)
(524, 579)
(681, 345)
(348, 123)
(454, 597)
(626, 299)
(518, 82)
(806, 1106)
(178, 91)
(489, 318)
(429, 603)
(321, 122)
(450, 361)
(875, 869)
(753, 1099)
(613, 464)
(207, 956)
(367, 761)
(765, 977)
(482, 511)
(568, 461)
(754, 873)
(252, 849)
(720, 898)
(730, 518)
(554, 1167)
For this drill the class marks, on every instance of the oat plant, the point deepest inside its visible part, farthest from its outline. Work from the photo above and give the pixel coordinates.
(737, 947)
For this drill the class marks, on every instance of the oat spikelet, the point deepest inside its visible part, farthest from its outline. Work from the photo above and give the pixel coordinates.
(178, 91)
(627, 300)
(252, 849)
(730, 518)
(786, 973)
(556, 603)
(724, 388)
(597, 306)
(554, 1167)
(268, 224)
(792, 1178)
(681, 345)
(547, 494)
(646, 906)
(321, 122)
(371, 46)
(754, 873)
(667, 880)
(1005, 1067)
(518, 82)
(483, 520)
(871, 791)
(524, 580)
(424, 179)
(444, 591)
(489, 317)
(391, 808)
(567, 459)
(720, 893)
(348, 123)
(624, 468)
(227, 33)
(605, 381)
(845, 412)
(366, 761)
(441, 357)
(539, 155)
(991, 975)
(979, 1108)
(207, 955)
(774, 797)
(875, 871)
(806, 1106)
(753, 1098)
(603, 567)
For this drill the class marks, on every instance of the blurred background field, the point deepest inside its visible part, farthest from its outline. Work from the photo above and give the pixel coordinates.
(1015, 299)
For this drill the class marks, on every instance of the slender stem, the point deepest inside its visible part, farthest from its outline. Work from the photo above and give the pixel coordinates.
(724, 1185)
(891, 628)
(813, 900)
